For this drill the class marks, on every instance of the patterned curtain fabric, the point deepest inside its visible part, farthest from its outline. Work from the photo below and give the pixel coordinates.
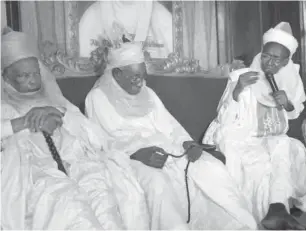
(200, 32)
(46, 21)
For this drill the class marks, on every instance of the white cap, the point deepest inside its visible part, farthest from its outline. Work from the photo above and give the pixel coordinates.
(281, 34)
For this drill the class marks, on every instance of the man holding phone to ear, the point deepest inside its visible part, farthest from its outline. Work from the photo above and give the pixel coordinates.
(251, 128)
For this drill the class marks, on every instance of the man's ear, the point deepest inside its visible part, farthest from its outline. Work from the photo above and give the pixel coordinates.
(117, 73)
(5, 74)
(285, 62)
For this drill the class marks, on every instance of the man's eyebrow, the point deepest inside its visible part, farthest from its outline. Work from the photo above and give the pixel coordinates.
(276, 56)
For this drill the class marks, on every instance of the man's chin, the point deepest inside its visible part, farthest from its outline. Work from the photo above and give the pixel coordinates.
(269, 70)
(135, 90)
(33, 90)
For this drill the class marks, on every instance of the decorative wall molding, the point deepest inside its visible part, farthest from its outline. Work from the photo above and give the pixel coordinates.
(60, 46)
(67, 62)
(177, 18)
(72, 28)
(64, 63)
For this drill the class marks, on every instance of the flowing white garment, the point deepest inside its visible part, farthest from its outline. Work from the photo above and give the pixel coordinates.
(36, 195)
(141, 18)
(268, 165)
(216, 202)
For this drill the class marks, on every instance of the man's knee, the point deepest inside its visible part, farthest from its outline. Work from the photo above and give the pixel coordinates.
(208, 166)
(156, 180)
(57, 187)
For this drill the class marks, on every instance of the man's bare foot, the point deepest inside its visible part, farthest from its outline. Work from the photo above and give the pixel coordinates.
(278, 218)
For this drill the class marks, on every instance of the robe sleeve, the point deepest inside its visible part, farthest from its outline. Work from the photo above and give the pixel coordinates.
(79, 126)
(7, 114)
(236, 119)
(99, 110)
(298, 100)
(167, 124)
(228, 108)
(6, 128)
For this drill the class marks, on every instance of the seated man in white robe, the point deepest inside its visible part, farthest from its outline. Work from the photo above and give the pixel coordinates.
(251, 128)
(52, 169)
(147, 141)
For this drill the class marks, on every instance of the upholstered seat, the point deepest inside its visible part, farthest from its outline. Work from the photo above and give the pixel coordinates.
(191, 100)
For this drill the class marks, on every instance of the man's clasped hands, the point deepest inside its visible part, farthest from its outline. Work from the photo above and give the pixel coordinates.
(42, 119)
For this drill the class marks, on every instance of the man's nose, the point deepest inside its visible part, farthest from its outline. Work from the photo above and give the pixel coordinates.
(32, 80)
(270, 61)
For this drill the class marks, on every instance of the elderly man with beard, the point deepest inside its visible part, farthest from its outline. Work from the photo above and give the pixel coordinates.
(251, 128)
(52, 171)
(146, 143)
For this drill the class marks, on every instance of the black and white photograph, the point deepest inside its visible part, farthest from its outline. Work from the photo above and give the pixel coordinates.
(153, 115)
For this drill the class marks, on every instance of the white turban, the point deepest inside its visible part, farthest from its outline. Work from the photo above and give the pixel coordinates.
(282, 34)
(127, 54)
(16, 46)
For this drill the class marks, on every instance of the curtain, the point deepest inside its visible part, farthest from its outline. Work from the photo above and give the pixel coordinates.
(3, 15)
(52, 23)
(303, 37)
(200, 32)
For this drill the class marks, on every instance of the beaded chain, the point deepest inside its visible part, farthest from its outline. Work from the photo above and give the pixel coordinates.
(54, 152)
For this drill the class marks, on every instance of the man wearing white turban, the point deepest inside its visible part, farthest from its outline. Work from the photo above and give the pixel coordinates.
(52, 173)
(146, 143)
(251, 128)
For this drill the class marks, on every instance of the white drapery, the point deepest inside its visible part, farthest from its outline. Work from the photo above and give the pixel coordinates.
(200, 32)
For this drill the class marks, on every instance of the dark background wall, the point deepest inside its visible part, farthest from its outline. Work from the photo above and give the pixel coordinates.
(246, 28)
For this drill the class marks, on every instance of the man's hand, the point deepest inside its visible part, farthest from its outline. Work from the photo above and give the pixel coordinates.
(50, 123)
(244, 80)
(280, 98)
(151, 156)
(194, 153)
(35, 117)
(206, 147)
(18, 124)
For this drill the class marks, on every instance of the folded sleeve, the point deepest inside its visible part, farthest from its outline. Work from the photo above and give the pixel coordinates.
(298, 101)
(6, 128)
(99, 110)
(168, 124)
(228, 108)
(79, 126)
(7, 114)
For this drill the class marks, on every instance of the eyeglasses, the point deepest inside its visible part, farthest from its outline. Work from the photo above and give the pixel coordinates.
(276, 60)
(26, 75)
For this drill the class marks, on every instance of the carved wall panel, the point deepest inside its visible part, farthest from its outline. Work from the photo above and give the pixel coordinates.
(55, 26)
(177, 17)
